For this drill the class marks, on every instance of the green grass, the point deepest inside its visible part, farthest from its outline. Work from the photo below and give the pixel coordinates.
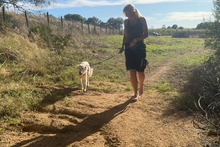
(193, 59)
(27, 68)
(161, 48)
(162, 87)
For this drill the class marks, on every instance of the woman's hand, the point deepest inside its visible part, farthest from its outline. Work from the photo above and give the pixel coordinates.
(133, 43)
(121, 50)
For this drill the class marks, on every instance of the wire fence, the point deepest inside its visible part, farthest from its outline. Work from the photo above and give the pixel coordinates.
(27, 20)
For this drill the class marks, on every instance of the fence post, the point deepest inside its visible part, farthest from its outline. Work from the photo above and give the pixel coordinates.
(119, 29)
(62, 21)
(94, 27)
(48, 20)
(3, 13)
(82, 25)
(106, 29)
(26, 17)
(88, 28)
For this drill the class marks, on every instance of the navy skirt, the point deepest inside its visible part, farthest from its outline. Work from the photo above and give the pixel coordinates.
(135, 57)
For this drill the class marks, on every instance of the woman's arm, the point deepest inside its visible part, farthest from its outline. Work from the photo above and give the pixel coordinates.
(124, 37)
(144, 28)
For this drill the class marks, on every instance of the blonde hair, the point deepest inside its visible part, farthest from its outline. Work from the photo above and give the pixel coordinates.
(131, 8)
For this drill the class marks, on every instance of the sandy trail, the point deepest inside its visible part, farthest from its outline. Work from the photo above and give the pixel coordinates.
(98, 119)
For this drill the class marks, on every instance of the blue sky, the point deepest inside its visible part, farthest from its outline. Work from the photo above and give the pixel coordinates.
(186, 13)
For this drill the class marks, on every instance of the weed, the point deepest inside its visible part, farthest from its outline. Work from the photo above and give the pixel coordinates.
(128, 88)
(163, 87)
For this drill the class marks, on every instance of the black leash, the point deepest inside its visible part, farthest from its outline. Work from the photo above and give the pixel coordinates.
(104, 60)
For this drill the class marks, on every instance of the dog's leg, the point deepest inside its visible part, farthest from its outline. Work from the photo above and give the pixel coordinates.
(86, 82)
(81, 81)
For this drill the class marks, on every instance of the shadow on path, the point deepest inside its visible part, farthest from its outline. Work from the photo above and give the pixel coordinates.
(71, 134)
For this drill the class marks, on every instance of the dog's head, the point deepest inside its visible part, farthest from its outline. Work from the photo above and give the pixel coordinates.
(82, 68)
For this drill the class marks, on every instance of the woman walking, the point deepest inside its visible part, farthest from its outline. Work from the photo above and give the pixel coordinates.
(135, 31)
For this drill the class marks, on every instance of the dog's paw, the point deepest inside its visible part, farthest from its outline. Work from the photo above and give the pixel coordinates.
(84, 90)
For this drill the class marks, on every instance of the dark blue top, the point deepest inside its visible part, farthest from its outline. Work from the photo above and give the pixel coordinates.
(133, 31)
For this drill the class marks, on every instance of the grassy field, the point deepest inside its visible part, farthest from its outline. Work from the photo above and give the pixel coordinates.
(31, 71)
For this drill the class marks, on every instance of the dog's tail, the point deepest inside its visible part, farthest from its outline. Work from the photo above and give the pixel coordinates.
(90, 72)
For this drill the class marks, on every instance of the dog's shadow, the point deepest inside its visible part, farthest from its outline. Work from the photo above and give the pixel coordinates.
(73, 133)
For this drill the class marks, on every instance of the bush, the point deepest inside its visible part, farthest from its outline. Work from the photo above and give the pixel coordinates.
(202, 94)
(181, 34)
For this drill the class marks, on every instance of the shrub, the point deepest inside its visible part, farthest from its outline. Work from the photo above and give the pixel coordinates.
(202, 94)
(181, 34)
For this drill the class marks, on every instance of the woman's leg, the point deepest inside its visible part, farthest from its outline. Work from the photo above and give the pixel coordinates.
(134, 81)
(141, 77)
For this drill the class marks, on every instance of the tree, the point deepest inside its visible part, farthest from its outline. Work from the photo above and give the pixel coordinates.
(175, 26)
(163, 27)
(102, 24)
(181, 28)
(203, 25)
(75, 17)
(14, 2)
(115, 22)
(93, 20)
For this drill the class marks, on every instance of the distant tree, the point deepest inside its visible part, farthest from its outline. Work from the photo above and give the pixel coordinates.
(102, 24)
(168, 27)
(181, 28)
(203, 25)
(163, 27)
(93, 20)
(115, 22)
(175, 26)
(75, 17)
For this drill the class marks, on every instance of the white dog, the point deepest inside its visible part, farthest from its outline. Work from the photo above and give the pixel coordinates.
(85, 72)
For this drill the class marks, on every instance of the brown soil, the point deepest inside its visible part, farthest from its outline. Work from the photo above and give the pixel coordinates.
(95, 119)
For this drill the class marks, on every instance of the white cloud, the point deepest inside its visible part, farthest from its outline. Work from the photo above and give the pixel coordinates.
(188, 16)
(91, 3)
(154, 1)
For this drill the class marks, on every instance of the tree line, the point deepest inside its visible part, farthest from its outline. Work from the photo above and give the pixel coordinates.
(203, 25)
(113, 23)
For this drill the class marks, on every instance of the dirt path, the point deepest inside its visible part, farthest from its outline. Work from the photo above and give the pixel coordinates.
(98, 119)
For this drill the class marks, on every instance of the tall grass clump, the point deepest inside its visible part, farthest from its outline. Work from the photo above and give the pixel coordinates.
(44, 37)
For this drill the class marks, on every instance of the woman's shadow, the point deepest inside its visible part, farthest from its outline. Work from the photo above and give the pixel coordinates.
(78, 132)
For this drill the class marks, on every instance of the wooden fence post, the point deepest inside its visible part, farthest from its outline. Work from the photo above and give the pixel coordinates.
(62, 21)
(88, 28)
(106, 27)
(94, 27)
(48, 20)
(3, 13)
(26, 17)
(119, 29)
(82, 25)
